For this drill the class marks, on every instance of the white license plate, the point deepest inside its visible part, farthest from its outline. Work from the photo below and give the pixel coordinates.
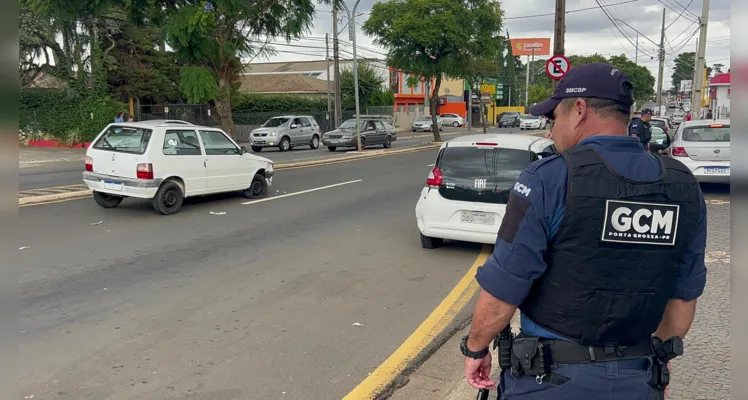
(113, 185)
(336, 140)
(480, 218)
(716, 170)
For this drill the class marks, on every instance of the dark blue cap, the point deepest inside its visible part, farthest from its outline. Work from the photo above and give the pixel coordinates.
(598, 80)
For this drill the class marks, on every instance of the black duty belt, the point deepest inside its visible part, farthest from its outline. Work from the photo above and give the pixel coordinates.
(536, 356)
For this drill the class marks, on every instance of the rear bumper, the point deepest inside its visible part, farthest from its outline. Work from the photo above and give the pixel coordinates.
(141, 188)
(340, 142)
(697, 168)
(431, 210)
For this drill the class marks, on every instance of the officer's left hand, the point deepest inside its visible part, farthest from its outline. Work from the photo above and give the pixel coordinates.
(478, 372)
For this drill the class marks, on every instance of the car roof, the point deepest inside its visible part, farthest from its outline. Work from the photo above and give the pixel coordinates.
(162, 123)
(504, 140)
(706, 122)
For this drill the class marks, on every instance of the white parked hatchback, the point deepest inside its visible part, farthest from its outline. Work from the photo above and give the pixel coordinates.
(168, 162)
(467, 190)
(704, 147)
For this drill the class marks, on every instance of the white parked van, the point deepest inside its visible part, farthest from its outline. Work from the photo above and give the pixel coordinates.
(167, 162)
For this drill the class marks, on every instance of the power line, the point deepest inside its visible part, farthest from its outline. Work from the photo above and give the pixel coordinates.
(569, 11)
(612, 20)
(669, 7)
(686, 8)
(679, 15)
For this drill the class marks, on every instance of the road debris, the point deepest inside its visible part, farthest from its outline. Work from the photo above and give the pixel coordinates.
(24, 247)
(97, 223)
(217, 213)
(358, 324)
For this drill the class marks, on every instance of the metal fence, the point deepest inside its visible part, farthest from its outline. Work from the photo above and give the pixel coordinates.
(380, 110)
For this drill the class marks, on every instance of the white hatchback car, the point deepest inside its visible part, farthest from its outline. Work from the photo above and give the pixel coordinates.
(467, 190)
(167, 162)
(528, 121)
(704, 147)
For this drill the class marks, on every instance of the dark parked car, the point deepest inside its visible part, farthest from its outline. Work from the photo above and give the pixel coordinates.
(373, 132)
(508, 120)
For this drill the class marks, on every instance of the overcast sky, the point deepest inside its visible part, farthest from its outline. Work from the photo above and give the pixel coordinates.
(587, 31)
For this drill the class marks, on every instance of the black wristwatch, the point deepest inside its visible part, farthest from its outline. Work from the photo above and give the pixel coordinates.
(469, 353)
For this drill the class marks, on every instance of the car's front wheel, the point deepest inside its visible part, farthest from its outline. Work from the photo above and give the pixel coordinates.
(428, 242)
(331, 148)
(258, 189)
(169, 198)
(257, 149)
(285, 144)
(314, 144)
(107, 200)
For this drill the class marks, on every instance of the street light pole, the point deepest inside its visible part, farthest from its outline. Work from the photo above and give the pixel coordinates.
(352, 33)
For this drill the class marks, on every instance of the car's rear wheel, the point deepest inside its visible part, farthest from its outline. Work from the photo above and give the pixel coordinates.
(107, 200)
(257, 149)
(285, 144)
(258, 189)
(169, 198)
(314, 144)
(428, 242)
(331, 148)
(456, 124)
(387, 142)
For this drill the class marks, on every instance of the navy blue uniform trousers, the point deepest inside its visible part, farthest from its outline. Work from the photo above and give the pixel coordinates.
(614, 380)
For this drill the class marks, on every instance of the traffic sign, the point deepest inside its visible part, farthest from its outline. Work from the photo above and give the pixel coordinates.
(557, 66)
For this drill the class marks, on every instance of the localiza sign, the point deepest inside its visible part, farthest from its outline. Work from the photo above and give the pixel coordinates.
(530, 46)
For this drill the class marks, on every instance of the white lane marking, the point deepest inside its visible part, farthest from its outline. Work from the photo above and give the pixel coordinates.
(301, 192)
(430, 165)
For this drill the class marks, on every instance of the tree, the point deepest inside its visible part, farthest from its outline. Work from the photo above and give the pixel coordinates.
(717, 68)
(684, 66)
(436, 38)
(369, 82)
(480, 70)
(575, 60)
(214, 36)
(538, 93)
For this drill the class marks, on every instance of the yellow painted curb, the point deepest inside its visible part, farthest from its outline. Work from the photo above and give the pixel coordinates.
(406, 358)
(54, 198)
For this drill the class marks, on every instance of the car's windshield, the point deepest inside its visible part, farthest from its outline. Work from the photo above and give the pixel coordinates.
(678, 115)
(481, 174)
(124, 139)
(275, 122)
(659, 136)
(528, 116)
(657, 122)
(424, 118)
(707, 133)
(509, 116)
(350, 124)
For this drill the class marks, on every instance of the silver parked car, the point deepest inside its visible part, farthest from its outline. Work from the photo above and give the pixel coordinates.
(285, 132)
(453, 120)
(704, 147)
(424, 123)
(373, 132)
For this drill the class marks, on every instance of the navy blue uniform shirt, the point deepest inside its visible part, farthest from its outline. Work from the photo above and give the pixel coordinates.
(642, 129)
(509, 273)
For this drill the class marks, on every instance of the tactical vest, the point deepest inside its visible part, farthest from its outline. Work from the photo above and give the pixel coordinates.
(613, 262)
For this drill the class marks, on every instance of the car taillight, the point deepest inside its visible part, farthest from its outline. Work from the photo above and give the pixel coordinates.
(434, 178)
(144, 171)
(89, 164)
(678, 152)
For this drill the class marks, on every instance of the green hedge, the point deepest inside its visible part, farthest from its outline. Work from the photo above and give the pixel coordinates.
(64, 116)
(250, 102)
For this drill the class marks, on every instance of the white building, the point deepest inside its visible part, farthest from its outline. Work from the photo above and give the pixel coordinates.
(719, 95)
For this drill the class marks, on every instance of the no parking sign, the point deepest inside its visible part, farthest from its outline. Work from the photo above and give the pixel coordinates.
(557, 66)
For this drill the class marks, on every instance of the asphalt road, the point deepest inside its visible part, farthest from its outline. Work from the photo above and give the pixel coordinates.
(62, 167)
(257, 303)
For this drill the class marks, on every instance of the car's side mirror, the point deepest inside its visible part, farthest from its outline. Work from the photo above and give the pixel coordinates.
(243, 150)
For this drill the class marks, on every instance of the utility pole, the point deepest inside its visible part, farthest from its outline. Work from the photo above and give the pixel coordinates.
(636, 57)
(559, 32)
(662, 64)
(699, 82)
(527, 81)
(327, 57)
(352, 37)
(336, 66)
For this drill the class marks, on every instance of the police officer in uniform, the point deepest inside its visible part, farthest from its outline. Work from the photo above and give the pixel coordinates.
(640, 128)
(602, 251)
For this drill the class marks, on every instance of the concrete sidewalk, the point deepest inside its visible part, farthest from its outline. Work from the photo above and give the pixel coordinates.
(442, 375)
